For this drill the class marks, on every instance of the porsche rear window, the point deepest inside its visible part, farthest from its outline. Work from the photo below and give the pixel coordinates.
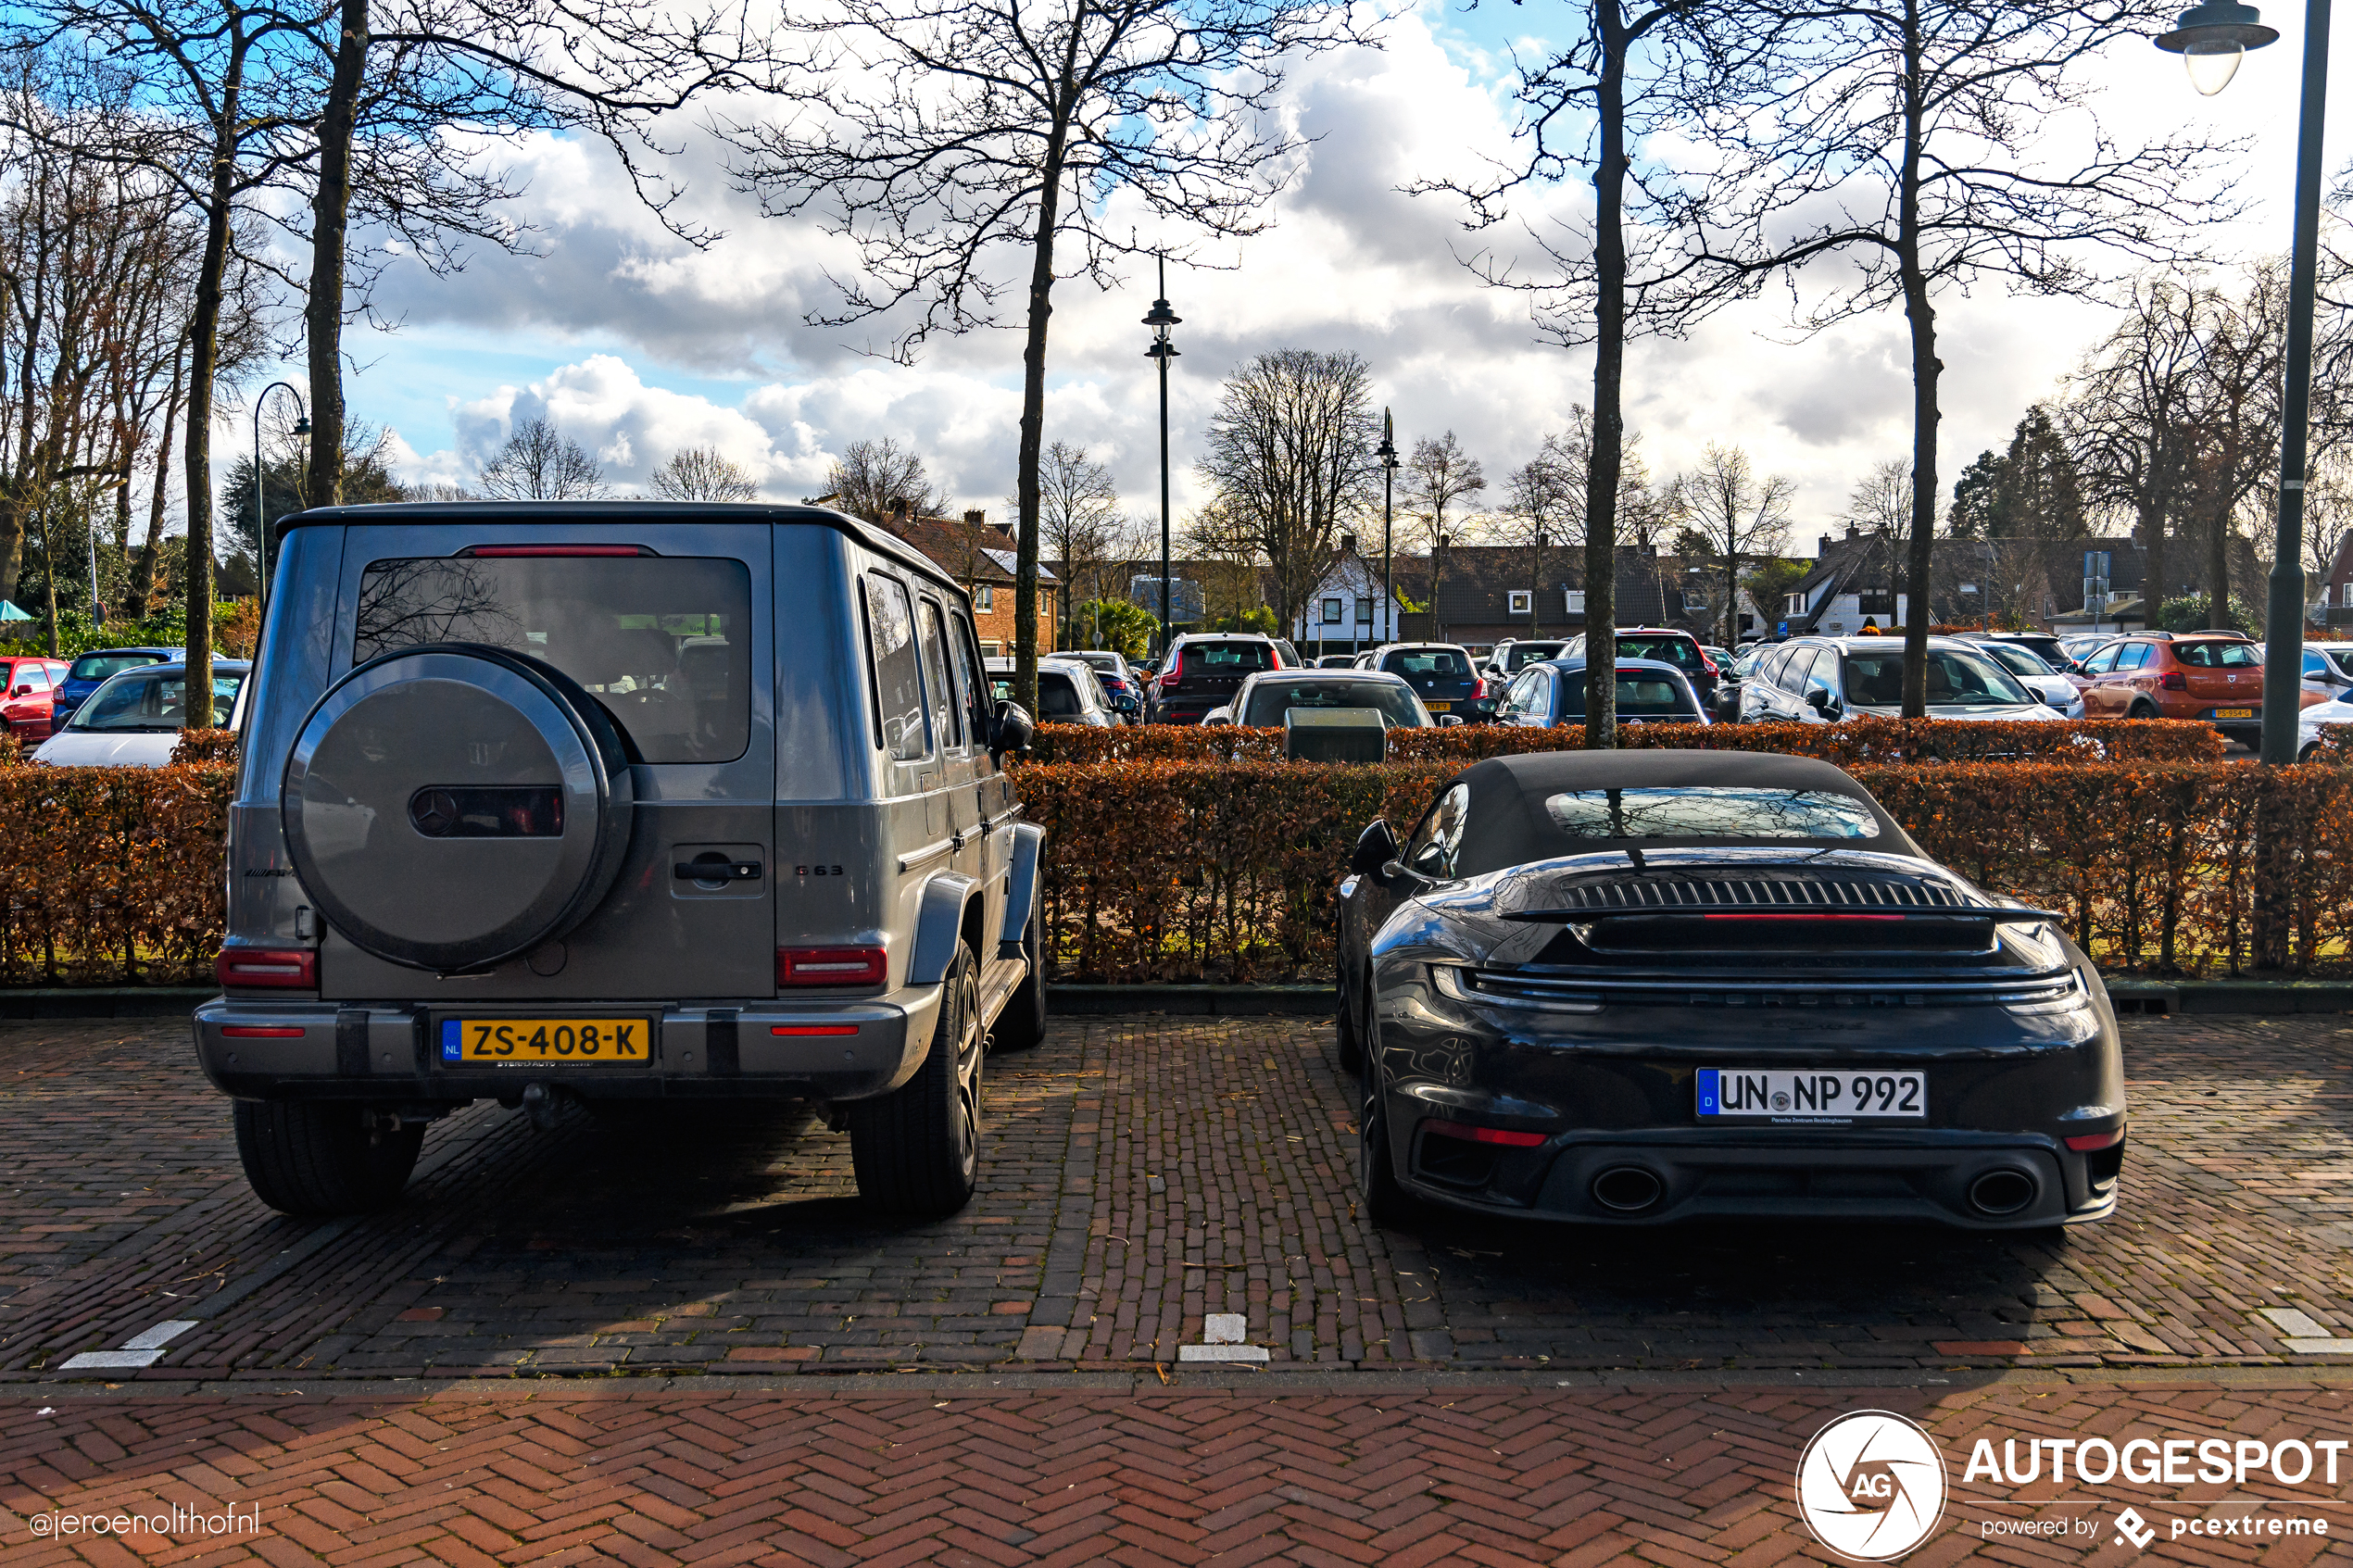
(1715, 812)
(663, 643)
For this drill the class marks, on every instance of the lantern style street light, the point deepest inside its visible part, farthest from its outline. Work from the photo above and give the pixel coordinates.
(1387, 453)
(2212, 38)
(1160, 320)
(260, 492)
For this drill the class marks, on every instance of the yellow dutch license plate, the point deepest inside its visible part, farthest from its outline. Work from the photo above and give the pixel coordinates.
(547, 1042)
(2234, 713)
(1438, 707)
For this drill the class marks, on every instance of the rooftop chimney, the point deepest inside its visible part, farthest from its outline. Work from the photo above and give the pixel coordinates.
(899, 510)
(975, 519)
(1825, 547)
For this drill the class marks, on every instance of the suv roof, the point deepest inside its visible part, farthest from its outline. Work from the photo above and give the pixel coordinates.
(489, 514)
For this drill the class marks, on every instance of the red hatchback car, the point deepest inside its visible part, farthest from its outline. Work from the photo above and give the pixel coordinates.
(27, 690)
(2218, 679)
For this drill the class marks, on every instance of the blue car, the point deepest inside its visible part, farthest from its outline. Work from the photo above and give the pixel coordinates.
(94, 669)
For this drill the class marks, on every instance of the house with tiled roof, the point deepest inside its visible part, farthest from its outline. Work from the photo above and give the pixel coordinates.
(982, 557)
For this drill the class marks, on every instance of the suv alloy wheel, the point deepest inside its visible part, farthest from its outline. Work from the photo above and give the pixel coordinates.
(917, 1149)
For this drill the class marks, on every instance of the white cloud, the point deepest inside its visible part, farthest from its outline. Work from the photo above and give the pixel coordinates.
(638, 345)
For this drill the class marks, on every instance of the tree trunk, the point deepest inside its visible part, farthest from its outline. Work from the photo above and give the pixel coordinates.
(2218, 563)
(2152, 530)
(1607, 456)
(204, 328)
(142, 569)
(1926, 370)
(49, 572)
(1033, 381)
(330, 219)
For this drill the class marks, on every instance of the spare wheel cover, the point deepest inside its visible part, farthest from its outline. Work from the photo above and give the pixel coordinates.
(453, 805)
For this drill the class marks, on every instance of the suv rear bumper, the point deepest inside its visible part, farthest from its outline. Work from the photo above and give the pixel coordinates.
(749, 1051)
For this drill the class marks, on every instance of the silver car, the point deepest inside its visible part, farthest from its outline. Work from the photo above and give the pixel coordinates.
(1823, 679)
(550, 803)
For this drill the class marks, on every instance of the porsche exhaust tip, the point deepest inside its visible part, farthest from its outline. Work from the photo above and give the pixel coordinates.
(1628, 1189)
(2000, 1192)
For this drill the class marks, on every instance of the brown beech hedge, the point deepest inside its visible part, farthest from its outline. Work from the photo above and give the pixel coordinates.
(1171, 870)
(1862, 740)
(1206, 869)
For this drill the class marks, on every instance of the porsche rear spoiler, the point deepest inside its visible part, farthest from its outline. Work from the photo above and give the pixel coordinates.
(1780, 912)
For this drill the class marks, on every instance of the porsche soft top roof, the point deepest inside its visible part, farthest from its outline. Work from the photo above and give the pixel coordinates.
(1510, 826)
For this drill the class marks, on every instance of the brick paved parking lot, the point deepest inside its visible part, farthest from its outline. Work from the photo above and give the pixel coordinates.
(1463, 1392)
(1140, 1172)
(1490, 1475)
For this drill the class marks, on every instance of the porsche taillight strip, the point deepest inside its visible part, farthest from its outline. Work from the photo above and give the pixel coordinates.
(1517, 988)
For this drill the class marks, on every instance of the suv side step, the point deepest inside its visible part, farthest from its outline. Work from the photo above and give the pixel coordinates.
(998, 979)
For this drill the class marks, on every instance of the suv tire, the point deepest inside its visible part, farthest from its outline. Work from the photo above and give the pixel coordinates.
(917, 1149)
(321, 1156)
(1023, 1024)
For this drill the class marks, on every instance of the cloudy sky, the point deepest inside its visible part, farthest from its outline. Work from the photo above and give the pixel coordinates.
(636, 345)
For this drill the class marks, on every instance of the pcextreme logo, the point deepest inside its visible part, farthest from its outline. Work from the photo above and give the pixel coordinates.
(1871, 1486)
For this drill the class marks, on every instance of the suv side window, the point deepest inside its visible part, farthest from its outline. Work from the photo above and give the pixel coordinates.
(947, 713)
(1431, 850)
(971, 690)
(899, 693)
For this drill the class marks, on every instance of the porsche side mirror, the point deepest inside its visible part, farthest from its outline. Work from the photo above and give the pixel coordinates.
(1375, 849)
(1009, 729)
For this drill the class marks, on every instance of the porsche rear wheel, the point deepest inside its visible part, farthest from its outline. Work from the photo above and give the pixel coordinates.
(1385, 1203)
(1352, 1034)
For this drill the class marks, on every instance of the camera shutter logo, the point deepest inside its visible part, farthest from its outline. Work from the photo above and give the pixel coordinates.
(1871, 1486)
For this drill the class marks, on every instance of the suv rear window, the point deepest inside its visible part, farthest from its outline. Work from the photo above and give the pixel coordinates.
(1680, 652)
(98, 666)
(1227, 658)
(664, 643)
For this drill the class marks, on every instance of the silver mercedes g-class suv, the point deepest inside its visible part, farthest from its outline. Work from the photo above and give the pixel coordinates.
(547, 801)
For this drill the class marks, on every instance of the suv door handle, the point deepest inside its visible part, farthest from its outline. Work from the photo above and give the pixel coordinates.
(716, 870)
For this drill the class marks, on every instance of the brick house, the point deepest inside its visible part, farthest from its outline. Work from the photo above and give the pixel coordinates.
(981, 556)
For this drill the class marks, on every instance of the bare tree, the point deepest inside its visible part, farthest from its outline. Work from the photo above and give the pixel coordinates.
(1741, 516)
(1437, 475)
(953, 128)
(538, 464)
(1080, 522)
(1290, 460)
(1930, 145)
(1881, 500)
(876, 479)
(1544, 504)
(410, 85)
(699, 473)
(2127, 418)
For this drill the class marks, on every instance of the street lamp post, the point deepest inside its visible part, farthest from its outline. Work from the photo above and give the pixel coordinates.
(2212, 38)
(260, 491)
(1387, 453)
(1160, 320)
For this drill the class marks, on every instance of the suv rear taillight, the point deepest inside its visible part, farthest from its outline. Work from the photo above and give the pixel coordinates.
(831, 966)
(1708, 664)
(277, 969)
(1175, 673)
(2174, 681)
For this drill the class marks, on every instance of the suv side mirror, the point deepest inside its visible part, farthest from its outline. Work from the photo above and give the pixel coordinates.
(1821, 701)
(1010, 729)
(1375, 848)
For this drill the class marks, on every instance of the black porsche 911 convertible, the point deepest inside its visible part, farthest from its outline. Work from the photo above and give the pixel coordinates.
(1643, 986)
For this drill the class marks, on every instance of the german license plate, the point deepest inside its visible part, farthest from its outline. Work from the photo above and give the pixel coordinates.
(547, 1042)
(1816, 1094)
(1438, 707)
(2234, 713)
